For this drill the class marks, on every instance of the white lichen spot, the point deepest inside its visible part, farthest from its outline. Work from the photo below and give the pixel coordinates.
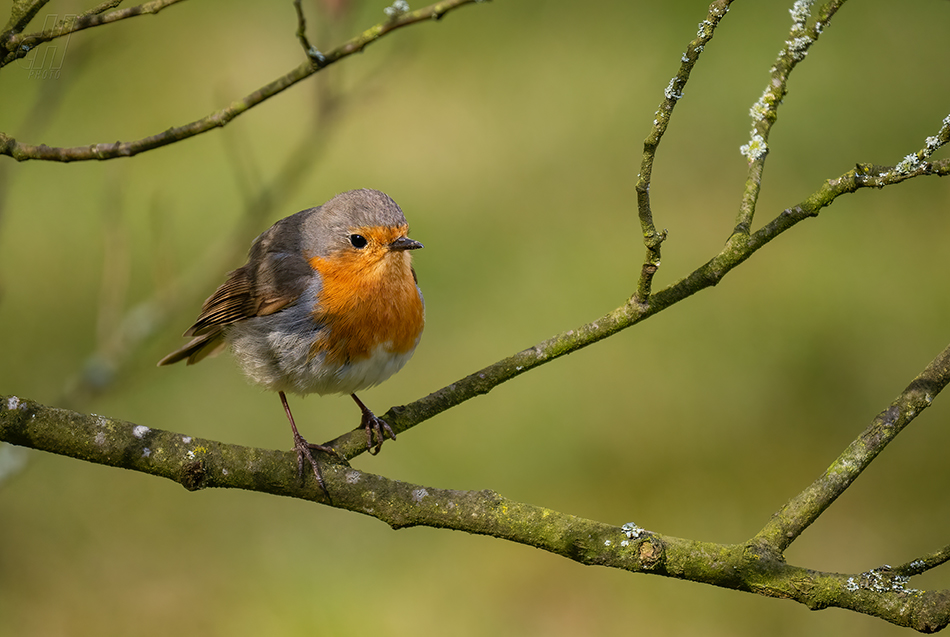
(397, 8)
(683, 58)
(671, 91)
(918, 564)
(625, 543)
(186, 440)
(908, 164)
(419, 494)
(880, 580)
(13, 403)
(314, 54)
(607, 542)
(100, 438)
(146, 452)
(224, 472)
(631, 530)
(899, 583)
(755, 149)
(352, 477)
(800, 12)
(190, 455)
(140, 431)
(933, 143)
(798, 47)
(761, 109)
(705, 29)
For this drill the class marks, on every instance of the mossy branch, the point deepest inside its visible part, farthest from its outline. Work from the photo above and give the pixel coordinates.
(764, 112)
(21, 13)
(799, 513)
(18, 45)
(661, 121)
(22, 152)
(757, 566)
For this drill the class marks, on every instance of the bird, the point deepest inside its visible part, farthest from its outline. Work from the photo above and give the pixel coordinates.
(327, 303)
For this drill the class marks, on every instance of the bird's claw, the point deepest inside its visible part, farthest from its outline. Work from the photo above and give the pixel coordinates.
(304, 450)
(376, 428)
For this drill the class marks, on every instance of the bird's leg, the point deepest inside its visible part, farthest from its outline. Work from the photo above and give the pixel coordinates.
(373, 425)
(303, 448)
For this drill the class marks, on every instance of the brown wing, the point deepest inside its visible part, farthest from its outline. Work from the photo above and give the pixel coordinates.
(274, 277)
(231, 302)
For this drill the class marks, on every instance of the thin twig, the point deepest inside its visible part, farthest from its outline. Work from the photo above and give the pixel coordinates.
(19, 45)
(802, 510)
(22, 152)
(100, 8)
(674, 92)
(21, 13)
(765, 111)
(311, 51)
(923, 563)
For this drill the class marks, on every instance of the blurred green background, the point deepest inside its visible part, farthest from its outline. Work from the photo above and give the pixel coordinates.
(510, 133)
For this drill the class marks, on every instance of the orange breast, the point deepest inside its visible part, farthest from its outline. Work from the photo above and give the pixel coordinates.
(368, 299)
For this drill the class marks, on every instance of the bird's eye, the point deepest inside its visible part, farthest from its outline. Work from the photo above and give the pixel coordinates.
(358, 241)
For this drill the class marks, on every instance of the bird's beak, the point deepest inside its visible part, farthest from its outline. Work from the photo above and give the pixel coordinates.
(404, 243)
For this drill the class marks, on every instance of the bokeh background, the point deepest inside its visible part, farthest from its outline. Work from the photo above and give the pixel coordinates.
(510, 133)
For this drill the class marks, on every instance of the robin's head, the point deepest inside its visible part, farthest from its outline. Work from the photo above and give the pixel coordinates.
(360, 230)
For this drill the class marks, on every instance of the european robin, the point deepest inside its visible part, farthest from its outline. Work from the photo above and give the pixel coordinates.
(327, 303)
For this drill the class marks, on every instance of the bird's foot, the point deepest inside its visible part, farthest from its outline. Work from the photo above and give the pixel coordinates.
(377, 429)
(305, 450)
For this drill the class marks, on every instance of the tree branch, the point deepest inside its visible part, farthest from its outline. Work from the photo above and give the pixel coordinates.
(22, 152)
(661, 120)
(757, 566)
(21, 13)
(765, 111)
(799, 513)
(19, 45)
